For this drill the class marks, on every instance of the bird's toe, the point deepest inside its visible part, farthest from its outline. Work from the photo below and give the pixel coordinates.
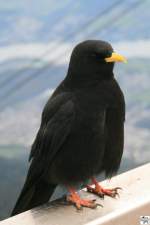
(95, 191)
(101, 192)
(112, 192)
(79, 202)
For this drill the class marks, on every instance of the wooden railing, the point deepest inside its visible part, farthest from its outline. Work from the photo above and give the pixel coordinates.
(134, 202)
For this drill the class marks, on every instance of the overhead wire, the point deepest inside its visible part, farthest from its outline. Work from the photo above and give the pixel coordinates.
(28, 79)
(15, 75)
(64, 39)
(68, 36)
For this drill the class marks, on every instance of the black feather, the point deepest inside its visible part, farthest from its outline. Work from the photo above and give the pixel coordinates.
(82, 127)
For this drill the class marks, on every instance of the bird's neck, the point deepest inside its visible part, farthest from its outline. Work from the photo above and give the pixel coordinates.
(76, 80)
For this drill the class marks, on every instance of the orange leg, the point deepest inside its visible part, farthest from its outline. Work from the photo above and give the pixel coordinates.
(78, 202)
(100, 191)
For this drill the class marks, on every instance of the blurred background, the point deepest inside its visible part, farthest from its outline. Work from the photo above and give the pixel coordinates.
(36, 41)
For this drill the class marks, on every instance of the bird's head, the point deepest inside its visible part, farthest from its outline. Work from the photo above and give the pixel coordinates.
(93, 59)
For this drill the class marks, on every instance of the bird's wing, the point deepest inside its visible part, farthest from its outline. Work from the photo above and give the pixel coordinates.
(57, 119)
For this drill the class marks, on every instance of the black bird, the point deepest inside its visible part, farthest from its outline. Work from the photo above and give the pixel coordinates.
(81, 132)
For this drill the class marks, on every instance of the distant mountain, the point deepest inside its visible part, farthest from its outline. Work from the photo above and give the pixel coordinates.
(27, 100)
(47, 72)
(134, 79)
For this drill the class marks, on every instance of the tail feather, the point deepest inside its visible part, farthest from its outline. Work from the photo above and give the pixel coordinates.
(32, 196)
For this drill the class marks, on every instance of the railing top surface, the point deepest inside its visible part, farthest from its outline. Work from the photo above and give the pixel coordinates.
(134, 202)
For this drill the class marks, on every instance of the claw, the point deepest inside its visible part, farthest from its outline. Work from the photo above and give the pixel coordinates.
(94, 191)
(79, 203)
(101, 192)
(112, 192)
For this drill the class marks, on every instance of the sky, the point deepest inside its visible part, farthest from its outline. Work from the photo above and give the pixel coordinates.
(27, 22)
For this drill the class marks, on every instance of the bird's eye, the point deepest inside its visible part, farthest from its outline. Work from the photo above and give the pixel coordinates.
(101, 55)
(108, 54)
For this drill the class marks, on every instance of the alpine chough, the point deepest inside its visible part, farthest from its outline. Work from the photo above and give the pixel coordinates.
(81, 132)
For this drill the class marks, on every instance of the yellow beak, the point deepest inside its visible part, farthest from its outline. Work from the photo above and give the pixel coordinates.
(116, 58)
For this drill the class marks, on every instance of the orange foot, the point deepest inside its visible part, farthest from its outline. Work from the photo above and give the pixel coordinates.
(78, 202)
(100, 191)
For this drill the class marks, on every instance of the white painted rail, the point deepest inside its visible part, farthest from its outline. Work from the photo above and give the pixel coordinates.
(134, 202)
